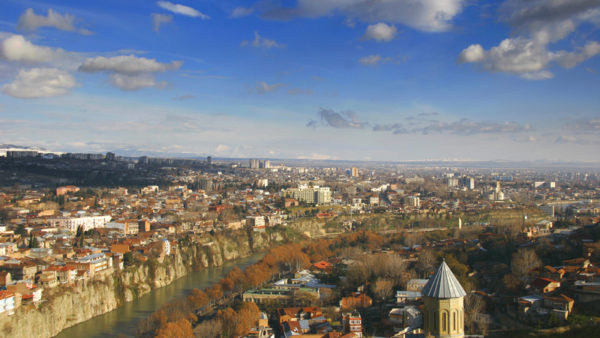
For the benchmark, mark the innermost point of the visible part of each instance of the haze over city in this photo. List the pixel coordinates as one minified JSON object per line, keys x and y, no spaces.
{"x":351,"y":80}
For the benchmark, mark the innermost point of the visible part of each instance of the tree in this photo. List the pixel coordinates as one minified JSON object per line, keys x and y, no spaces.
{"x":383,"y":288}
{"x":20,"y":230}
{"x":198,"y":299}
{"x":178,"y":329}
{"x":474,"y":305}
{"x":214,"y":293}
{"x":426,"y":261}
{"x":128,"y":259}
{"x":523,"y":261}
{"x":33,"y":242}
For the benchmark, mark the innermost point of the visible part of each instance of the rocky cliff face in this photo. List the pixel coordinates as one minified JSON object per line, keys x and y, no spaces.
{"x":66,"y":306}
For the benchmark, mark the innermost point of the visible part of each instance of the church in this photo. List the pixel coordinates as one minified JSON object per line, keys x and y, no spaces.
{"x":444,"y":313}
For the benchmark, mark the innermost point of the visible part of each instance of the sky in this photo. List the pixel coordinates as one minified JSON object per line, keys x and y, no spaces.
{"x":386,"y":80}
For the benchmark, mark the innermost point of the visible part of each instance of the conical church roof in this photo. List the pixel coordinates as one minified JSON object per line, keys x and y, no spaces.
{"x":443,"y":284}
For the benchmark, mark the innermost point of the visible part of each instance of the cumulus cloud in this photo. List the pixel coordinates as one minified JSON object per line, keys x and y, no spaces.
{"x":346,"y":119}
{"x":473,"y":53}
{"x":182,"y":10}
{"x":17,"y":48}
{"x":261,"y":42}
{"x":29,"y":21}
{"x":240,"y":12}
{"x":159,"y":19}
{"x":380,"y":32}
{"x":40,"y":82}
{"x":548,"y":21}
{"x":425,"y":15}
{"x":263,"y":87}
{"x":536,"y":25}
{"x":129,"y":72}
{"x":525,"y":57}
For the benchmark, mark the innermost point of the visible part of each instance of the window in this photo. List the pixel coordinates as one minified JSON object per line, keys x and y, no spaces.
{"x":444,"y":321}
{"x":453,"y":320}
{"x":435,"y":321}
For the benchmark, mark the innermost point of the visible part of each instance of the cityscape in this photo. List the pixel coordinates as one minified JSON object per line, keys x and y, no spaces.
{"x":327,"y":169}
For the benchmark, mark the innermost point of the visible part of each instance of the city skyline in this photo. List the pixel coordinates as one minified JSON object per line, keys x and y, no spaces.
{"x":344,"y":80}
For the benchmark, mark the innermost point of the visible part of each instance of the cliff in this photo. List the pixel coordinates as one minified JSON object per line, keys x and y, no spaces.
{"x":67,"y":306}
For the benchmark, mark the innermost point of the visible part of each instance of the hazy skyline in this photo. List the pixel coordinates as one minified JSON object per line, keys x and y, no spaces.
{"x":348,"y":79}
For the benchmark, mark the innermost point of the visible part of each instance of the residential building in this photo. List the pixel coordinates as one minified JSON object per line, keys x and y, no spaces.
{"x":7,"y":302}
{"x":352,"y":323}
{"x":86,"y":222}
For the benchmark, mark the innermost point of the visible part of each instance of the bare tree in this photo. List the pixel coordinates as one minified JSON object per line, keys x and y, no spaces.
{"x":523,"y":261}
{"x":209,"y":328}
{"x":383,"y":288}
{"x":426,"y":261}
{"x":474,"y":306}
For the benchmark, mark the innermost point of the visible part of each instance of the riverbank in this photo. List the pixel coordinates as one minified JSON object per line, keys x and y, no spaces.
{"x":69,"y":306}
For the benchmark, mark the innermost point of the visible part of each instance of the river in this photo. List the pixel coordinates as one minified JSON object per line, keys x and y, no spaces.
{"x":122,"y":321}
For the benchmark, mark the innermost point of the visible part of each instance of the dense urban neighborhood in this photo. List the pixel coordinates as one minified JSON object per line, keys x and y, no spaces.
{"x":387,"y":250}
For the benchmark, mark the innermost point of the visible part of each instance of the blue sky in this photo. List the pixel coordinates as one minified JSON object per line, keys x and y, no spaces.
{"x":340,"y":79}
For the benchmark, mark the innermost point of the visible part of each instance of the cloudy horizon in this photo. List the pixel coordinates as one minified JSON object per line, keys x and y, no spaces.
{"x":344,"y":80}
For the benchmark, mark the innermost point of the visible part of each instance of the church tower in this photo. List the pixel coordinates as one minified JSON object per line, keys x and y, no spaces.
{"x":444,"y":305}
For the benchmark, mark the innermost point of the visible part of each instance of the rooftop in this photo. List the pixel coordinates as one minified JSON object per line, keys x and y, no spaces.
{"x":443,"y":284}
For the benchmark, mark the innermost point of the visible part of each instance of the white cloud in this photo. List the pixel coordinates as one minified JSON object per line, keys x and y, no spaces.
{"x":127,"y":64}
{"x":551,"y":20}
{"x":29,"y":21}
{"x":260,"y":41}
{"x":525,"y":57}
{"x":182,"y":9}
{"x":426,"y":15}
{"x":370,"y":60}
{"x":536,"y":25}
{"x":129,"y":72}
{"x":473,"y":53}
{"x":380,"y":32}
{"x":159,"y":19}
{"x":17,"y":48}
{"x":40,"y":82}
{"x":239,"y":12}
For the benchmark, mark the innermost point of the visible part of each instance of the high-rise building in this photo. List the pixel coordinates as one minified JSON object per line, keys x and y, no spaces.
{"x":467,"y":182}
{"x":316,"y":195}
{"x":444,"y":314}
{"x":254,"y":164}
{"x":452,"y":182}
{"x":354,"y":172}
{"x":412,"y":201}
{"x":209,"y":160}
